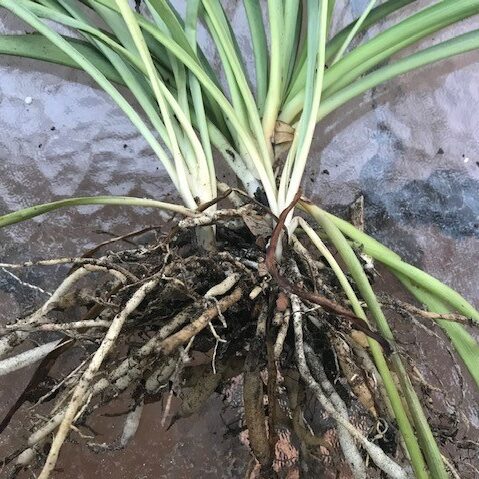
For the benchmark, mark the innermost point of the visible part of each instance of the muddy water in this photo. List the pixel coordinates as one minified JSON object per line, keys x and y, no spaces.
{"x":411,"y":148}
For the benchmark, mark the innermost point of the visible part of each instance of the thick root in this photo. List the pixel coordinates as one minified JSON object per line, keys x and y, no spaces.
{"x":147,"y":311}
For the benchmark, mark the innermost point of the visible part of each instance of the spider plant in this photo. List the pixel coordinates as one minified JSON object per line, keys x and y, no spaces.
{"x":302,"y":74}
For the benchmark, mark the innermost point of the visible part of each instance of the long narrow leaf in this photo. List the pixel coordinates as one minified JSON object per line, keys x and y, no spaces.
{"x":405,"y":427}
{"x":160,"y":93}
{"x":386,"y":256}
{"x":460,"y":44}
{"x":31,"y":212}
{"x":218,"y":20}
{"x":275,"y":90}
{"x":316,"y":68}
{"x":353,"y":32}
{"x":260,"y":49}
{"x":38,"y":47}
{"x":427,"y":440}
{"x":376,"y":15}
{"x":396,"y":38}
{"x":191,"y":21}
{"x":384,"y":45}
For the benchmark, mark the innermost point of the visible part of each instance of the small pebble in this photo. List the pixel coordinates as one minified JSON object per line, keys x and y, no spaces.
{"x":28,"y":100}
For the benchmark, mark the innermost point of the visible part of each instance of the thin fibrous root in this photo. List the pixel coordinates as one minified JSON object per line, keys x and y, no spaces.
{"x":100,"y":262}
{"x":85,"y":323}
{"x":387,"y":465}
{"x":453,"y":317}
{"x":25,"y":283}
{"x":129,"y":370}
{"x":9,"y":341}
{"x":81,"y":389}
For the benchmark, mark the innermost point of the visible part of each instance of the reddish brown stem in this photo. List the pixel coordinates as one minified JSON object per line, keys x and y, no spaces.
{"x":327,"y":304}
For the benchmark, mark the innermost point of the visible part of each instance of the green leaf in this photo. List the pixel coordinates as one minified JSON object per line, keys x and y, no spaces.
{"x":31,"y":212}
{"x":37,"y":47}
{"x":341,"y":75}
{"x":260,"y":49}
{"x":275,"y":80}
{"x":353,"y":32}
{"x":386,"y":256}
{"x":356,"y":269}
{"x":395,"y":38}
{"x":316,"y":56}
{"x":426,"y":438}
{"x":225,"y":40}
{"x":165,"y":101}
{"x":376,"y":15}
{"x":437,"y":296}
{"x":460,"y":44}
{"x":19,"y":8}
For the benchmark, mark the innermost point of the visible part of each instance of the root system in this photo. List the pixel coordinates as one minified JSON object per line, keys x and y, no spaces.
{"x":145,"y":312}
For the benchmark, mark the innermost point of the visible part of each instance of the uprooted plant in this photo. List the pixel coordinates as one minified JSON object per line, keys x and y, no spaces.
{"x":242,"y":275}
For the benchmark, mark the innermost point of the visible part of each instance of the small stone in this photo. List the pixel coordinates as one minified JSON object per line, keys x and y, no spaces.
{"x":440,"y":151}
{"x":28,"y":100}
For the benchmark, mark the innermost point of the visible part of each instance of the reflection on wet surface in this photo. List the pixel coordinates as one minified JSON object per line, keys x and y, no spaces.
{"x":411,"y":148}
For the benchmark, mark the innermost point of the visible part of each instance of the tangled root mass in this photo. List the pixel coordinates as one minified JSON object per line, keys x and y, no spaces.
{"x":145,"y":312}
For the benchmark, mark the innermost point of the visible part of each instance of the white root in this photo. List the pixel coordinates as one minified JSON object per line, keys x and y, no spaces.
{"x":131,"y":425}
{"x":9,"y":341}
{"x":99,"y":262}
{"x":81,"y":389}
{"x":387,"y":465}
{"x":206,"y":219}
{"x":223,"y":287}
{"x":283,"y":331}
{"x":175,"y":378}
{"x":27,"y":358}
{"x":24,"y":283}
{"x":86,"y":323}
{"x":368,"y":365}
{"x":348,"y":446}
{"x":450,"y":467}
{"x":26,"y":457}
{"x":129,"y":370}
{"x":255,"y":292}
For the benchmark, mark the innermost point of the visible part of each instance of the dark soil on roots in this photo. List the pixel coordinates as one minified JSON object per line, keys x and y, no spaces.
{"x":185,"y":343}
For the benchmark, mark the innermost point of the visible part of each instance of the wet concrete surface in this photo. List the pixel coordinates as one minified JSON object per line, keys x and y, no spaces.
{"x":410,"y":147}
